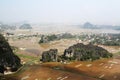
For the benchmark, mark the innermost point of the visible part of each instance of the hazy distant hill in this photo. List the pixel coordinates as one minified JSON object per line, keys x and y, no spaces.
{"x":88,"y":25}
{"x":7,"y":27}
{"x":25,"y":26}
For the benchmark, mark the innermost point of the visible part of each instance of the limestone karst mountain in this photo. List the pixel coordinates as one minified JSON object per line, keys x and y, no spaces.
{"x":8,"y":60}
{"x":25,"y":26}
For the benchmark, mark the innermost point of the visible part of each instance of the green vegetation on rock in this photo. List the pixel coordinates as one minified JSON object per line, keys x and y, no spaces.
{"x":7,"y":58}
{"x":83,"y":52}
{"x":78,"y":52}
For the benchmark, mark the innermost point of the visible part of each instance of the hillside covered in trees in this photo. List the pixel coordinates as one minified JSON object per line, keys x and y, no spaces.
{"x":25,"y":26}
{"x":8,"y":60}
{"x":81,"y":52}
{"x":78,"y":52}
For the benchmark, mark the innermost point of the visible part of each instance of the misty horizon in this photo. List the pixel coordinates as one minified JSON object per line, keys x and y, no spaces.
{"x":105,"y":12}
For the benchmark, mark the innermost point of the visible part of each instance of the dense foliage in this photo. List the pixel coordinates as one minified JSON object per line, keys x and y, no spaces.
{"x":50,"y":55}
{"x":108,"y":39}
{"x":79,"y":52}
{"x":85,"y":52}
{"x":48,"y":38}
{"x":7,"y":57}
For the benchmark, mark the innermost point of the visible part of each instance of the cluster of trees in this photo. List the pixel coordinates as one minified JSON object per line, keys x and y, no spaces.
{"x":101,"y":39}
{"x":79,"y":52}
{"x":7,"y":57}
{"x":109,"y":40}
{"x":48,"y":38}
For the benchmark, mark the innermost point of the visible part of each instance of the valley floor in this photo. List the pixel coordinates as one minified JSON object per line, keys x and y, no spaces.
{"x":104,"y":69}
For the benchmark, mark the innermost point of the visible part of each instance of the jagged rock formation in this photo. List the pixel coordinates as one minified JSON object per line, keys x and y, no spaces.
{"x":8,"y":60}
{"x":85,"y":52}
{"x":79,"y":52}
{"x":50,"y":55}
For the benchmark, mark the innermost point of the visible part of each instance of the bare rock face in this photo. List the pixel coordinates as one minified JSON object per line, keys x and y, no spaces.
{"x":8,"y":60}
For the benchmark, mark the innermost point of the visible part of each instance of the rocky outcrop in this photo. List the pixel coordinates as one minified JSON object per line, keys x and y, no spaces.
{"x":78,"y":52}
{"x":50,"y":55}
{"x":85,"y":52}
{"x":8,"y":60}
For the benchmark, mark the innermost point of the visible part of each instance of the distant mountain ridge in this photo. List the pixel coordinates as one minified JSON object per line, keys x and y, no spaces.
{"x":4,"y":27}
{"x":25,"y":26}
{"x":89,"y":25}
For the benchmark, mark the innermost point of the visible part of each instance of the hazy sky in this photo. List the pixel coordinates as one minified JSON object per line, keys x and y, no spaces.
{"x":61,"y":11}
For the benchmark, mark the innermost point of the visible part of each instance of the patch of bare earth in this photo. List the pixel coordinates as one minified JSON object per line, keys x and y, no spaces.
{"x":108,"y":69}
{"x":37,"y":72}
